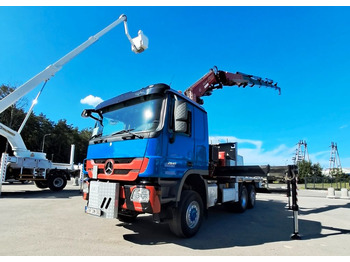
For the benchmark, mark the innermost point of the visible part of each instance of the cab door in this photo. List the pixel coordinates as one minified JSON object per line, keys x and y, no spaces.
{"x":180,"y":146}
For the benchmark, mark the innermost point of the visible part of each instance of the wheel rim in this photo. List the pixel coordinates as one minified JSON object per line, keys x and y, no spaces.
{"x":244,"y":199}
{"x":252,"y":198}
{"x":57,"y":182}
{"x":192,"y":214}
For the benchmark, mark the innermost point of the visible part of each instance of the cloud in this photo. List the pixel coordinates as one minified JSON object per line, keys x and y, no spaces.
{"x":91,"y":100}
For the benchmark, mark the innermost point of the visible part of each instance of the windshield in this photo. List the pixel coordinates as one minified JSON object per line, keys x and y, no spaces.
{"x":136,"y":115}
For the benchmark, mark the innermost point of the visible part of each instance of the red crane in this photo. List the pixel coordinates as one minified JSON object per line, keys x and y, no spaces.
{"x":216,"y":79}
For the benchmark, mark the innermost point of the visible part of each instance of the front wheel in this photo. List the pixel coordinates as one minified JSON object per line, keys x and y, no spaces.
{"x":188,"y":216}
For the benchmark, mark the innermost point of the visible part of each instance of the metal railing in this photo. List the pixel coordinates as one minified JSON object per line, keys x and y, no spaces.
{"x":326,"y":182}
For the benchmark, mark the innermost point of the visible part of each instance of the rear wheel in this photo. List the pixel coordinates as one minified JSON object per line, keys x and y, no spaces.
{"x":188,"y":216}
{"x":57,"y":182}
{"x":242,"y":204}
{"x":251,"y":196}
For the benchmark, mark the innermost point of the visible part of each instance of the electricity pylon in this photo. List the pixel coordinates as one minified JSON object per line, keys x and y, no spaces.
{"x":334,"y":160}
{"x":301,"y":153}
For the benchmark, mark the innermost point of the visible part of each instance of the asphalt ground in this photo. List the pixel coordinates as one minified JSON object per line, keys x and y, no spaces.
{"x":36,"y":222}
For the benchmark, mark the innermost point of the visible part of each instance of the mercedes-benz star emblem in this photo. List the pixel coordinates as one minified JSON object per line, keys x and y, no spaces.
{"x":109,"y":167}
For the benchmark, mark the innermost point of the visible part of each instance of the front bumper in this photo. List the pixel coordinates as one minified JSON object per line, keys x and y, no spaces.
{"x":106,"y":199}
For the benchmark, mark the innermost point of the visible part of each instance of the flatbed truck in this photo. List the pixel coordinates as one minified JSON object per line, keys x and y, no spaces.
{"x":149,"y":153}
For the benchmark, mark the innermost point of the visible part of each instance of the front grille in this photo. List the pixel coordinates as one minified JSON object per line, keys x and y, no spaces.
{"x":116,"y":160}
{"x":123,"y":168}
{"x":116,"y":171}
{"x":121,"y":171}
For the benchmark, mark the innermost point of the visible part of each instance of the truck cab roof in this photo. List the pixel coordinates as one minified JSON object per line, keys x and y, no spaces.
{"x":151,"y":89}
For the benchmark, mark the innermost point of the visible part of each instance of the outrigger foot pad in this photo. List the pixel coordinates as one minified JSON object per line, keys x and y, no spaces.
{"x":295,"y":236}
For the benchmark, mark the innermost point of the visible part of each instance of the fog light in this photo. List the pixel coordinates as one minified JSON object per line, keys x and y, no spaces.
{"x":140,"y":195}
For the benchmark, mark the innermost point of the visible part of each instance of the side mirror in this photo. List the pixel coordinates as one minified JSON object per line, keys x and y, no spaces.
{"x":86,"y":113}
{"x":180,"y":116}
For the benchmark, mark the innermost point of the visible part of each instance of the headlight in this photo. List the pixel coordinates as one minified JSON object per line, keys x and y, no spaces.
{"x":140,"y":195}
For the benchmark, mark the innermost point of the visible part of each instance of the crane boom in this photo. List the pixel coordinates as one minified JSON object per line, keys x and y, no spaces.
{"x":216,"y":79}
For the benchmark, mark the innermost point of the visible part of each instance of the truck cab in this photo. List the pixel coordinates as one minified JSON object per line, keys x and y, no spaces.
{"x":155,"y":126}
{"x":146,"y":141}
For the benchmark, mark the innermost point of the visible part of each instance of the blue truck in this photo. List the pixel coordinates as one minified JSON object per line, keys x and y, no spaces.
{"x":150,"y":153}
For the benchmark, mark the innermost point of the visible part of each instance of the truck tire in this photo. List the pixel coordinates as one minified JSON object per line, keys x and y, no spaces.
{"x":242,"y":203}
{"x":251,"y":196}
{"x":57,"y":182}
{"x":188,"y":215}
{"x":41,"y":184}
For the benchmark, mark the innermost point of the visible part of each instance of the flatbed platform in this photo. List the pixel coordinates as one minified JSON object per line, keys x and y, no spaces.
{"x":247,"y":171}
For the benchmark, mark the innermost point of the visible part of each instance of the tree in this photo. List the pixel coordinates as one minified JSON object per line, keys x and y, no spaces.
{"x":81,"y":141}
{"x":5,"y":90}
{"x":34,"y":131}
{"x":316,"y":170}
{"x":338,"y":173}
{"x":304,"y":168}
{"x":307,"y":169}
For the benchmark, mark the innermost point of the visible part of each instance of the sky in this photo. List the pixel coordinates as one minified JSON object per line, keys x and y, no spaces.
{"x":304,"y":49}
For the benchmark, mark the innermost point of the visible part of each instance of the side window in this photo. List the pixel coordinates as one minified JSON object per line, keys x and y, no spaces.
{"x":181,"y":117}
{"x":171,"y":112}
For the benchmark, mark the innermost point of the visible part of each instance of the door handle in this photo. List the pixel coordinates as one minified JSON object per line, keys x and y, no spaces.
{"x":189,"y":163}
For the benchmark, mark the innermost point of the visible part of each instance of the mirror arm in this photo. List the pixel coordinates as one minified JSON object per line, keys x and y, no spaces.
{"x":87,"y":113}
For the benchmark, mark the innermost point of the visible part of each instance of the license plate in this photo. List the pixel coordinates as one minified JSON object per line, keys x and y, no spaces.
{"x":93,"y":211}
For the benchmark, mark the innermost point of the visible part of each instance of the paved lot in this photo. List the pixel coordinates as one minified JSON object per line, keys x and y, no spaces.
{"x":40,"y":222}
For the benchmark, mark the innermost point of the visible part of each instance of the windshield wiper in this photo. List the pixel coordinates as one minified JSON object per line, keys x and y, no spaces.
{"x":123,"y":131}
{"x":127,"y":131}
